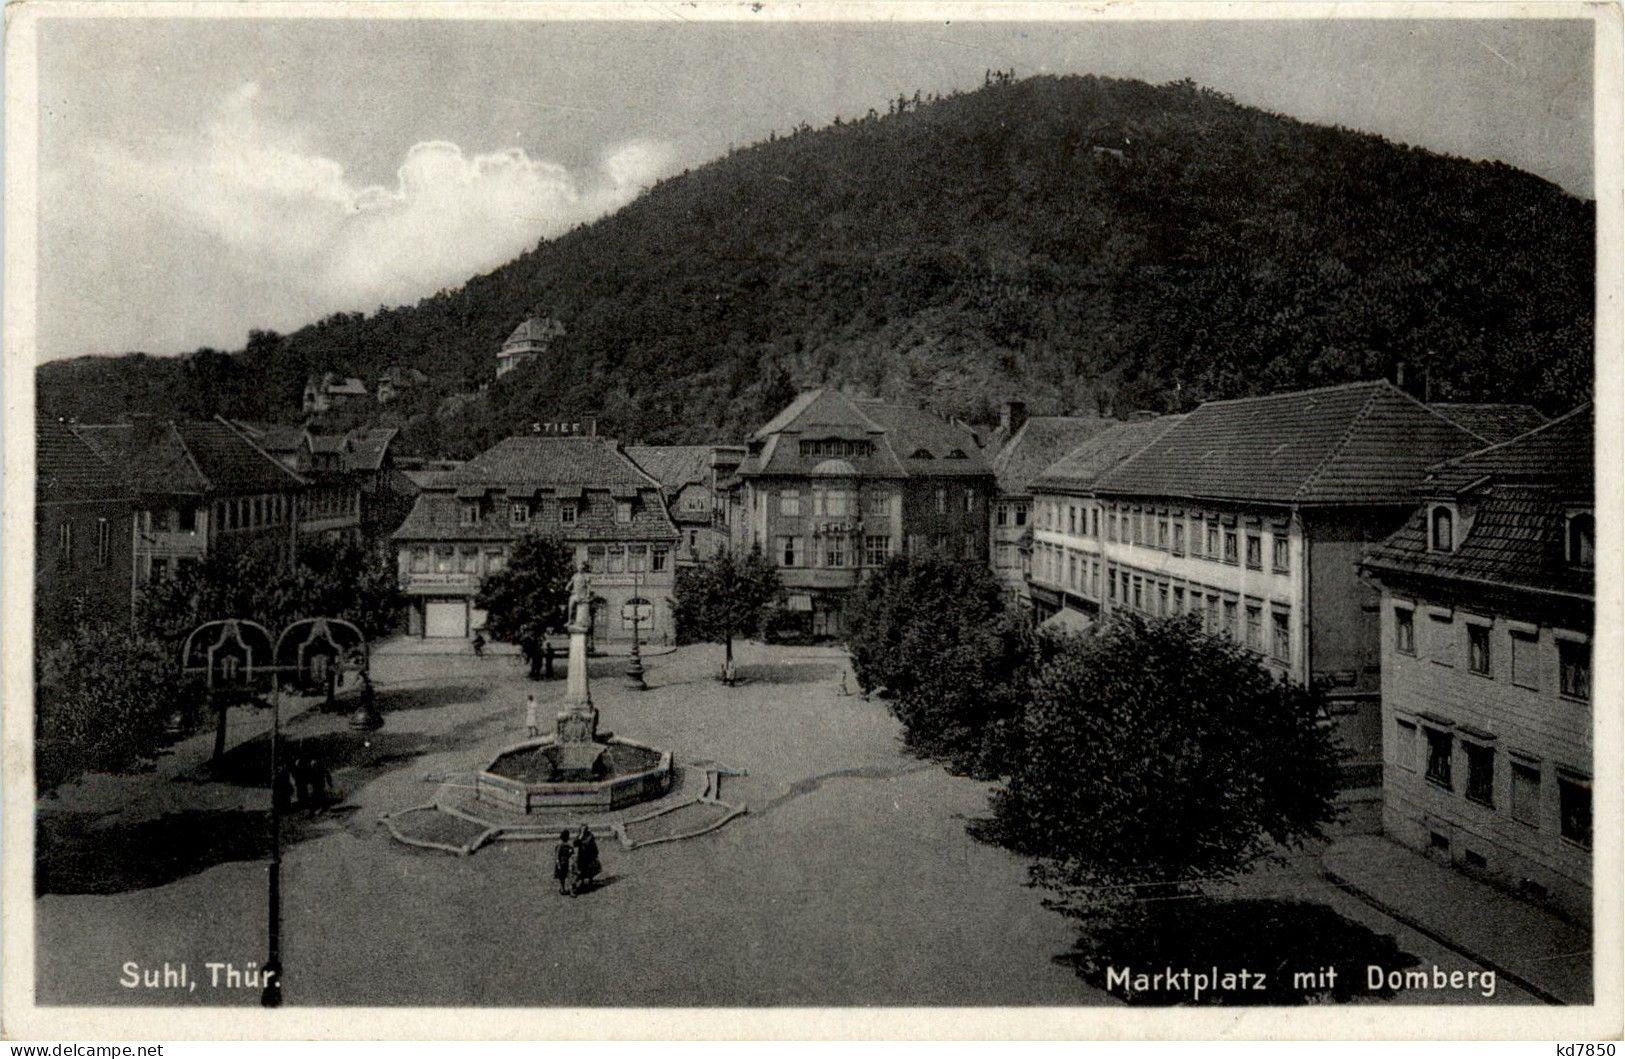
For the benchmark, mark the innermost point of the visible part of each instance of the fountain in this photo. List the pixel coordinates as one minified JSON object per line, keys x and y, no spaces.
{"x":575,"y":768}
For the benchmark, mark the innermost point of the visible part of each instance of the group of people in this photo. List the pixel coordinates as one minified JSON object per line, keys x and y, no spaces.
{"x":575,"y":861}
{"x":304,"y":783}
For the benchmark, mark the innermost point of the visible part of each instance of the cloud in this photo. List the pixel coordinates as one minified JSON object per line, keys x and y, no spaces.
{"x":267,"y":205}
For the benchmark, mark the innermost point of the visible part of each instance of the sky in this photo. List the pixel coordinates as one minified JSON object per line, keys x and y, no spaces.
{"x":199,"y":178}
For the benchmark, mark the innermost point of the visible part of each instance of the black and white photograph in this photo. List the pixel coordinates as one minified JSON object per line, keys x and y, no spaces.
{"x":1088,"y":516}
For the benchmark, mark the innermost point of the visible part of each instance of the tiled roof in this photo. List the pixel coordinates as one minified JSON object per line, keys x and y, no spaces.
{"x":673,"y":466}
{"x":1080,"y":468}
{"x":437,"y":516}
{"x":908,"y":440}
{"x":368,"y":446}
{"x":1040,"y":442}
{"x":538,"y":330}
{"x":66,"y":468}
{"x":190,"y":458}
{"x":1513,"y":499}
{"x":1555,"y":453}
{"x":550,"y":461}
{"x":1492,"y":422}
{"x":1360,"y":443}
{"x":1515,"y":539}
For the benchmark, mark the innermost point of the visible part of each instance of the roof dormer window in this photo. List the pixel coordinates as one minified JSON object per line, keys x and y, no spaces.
{"x":1580,"y":539}
{"x":921,"y":454}
{"x":957,"y":454}
{"x":1442,"y":528}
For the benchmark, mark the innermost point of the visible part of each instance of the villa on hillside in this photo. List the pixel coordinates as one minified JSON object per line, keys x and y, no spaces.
{"x":528,"y":341}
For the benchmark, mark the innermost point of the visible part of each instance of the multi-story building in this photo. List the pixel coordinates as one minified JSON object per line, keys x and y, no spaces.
{"x":329,"y":391}
{"x":348,"y":494}
{"x":690,"y":475}
{"x":529,"y":340}
{"x":1254,"y":513}
{"x":1066,"y":560}
{"x":200,"y":488}
{"x":1022,"y":448}
{"x":835,"y":485}
{"x":1487,"y":615}
{"x":84,"y":535}
{"x":584,"y":490}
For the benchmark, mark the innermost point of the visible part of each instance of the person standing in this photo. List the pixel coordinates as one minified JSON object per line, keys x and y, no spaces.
{"x":533,"y":721}
{"x":562,"y":857}
{"x":479,"y":645}
{"x":587,"y":866}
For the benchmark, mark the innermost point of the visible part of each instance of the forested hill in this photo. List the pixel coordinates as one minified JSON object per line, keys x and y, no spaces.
{"x":1079,"y":242}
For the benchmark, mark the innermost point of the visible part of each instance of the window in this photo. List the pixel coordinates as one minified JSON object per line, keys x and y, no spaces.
{"x":942,"y":501}
{"x":444,"y":560}
{"x":1581,"y":539}
{"x":1072,"y":569}
{"x":1280,"y":554}
{"x":64,"y":541}
{"x":469,"y":561}
{"x":104,"y":541}
{"x":1439,"y":748}
{"x":1139,"y":601}
{"x":1162,"y":532}
{"x":1255,"y":552}
{"x":1094,"y":579}
{"x":637,"y":558}
{"x":790,"y":502}
{"x":615,"y":559}
{"x":623,"y":511}
{"x":1230,"y":628}
{"x":1404,"y":630}
{"x":1021,"y":514}
{"x":1001,"y":515}
{"x":1478,"y":649}
{"x":1405,"y":745}
{"x":1442,"y":537}
{"x":1179,"y":537}
{"x":657,"y":559}
{"x":1441,"y":640}
{"x":1574,"y":810}
{"x":420,"y":560}
{"x":495,"y":560}
{"x":1111,"y":586}
{"x":519,"y":513}
{"x":1526,"y":793}
{"x":188,"y":519}
{"x":1111,"y":525}
{"x":834,"y":551}
{"x":1230,"y":544}
{"x":471,"y":513}
{"x":1525,"y":660}
{"x":1179,"y":600}
{"x":1162,"y":600}
{"x":1072,"y":519}
{"x":876,"y":550}
{"x":567,"y":512}
{"x":160,"y":570}
{"x":880,"y":504}
{"x":1574,"y":668}
{"x":1480,"y":773}
{"x":1255,"y":627}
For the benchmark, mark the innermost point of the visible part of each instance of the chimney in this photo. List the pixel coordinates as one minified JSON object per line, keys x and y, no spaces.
{"x":1012,"y":417}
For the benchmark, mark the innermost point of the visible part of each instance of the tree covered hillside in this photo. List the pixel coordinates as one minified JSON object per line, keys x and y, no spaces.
{"x":1080,"y":242}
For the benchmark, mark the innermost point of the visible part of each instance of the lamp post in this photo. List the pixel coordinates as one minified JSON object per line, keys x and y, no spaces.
{"x":243,"y":648}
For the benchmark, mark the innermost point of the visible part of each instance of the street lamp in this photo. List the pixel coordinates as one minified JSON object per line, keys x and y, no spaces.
{"x":237,"y":651}
{"x":634,"y":669}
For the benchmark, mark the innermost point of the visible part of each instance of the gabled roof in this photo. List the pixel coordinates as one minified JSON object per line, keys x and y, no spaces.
{"x":66,"y":468}
{"x":536,"y":331}
{"x":907,"y":440}
{"x":1079,"y":469}
{"x":673,"y":466}
{"x":1359,"y":443}
{"x":1492,"y":422}
{"x":1558,"y":453}
{"x":542,"y":462}
{"x":367,"y":446}
{"x":1040,"y":442}
{"x":188,"y":458}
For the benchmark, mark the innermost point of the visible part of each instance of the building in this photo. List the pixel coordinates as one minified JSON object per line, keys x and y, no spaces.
{"x":1254,"y":513}
{"x":691,"y":477}
{"x":1022,"y":448}
{"x":529,"y":340}
{"x":1487,"y":617}
{"x":84,"y":535}
{"x":396,"y":381}
{"x":348,"y":494}
{"x":1065,"y":557}
{"x":835,"y":485}
{"x":585,"y":490}
{"x":329,"y":391}
{"x":199,"y":488}
{"x":1494,"y":423}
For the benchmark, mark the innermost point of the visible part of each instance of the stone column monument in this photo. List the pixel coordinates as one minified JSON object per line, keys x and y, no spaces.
{"x":578,"y":721}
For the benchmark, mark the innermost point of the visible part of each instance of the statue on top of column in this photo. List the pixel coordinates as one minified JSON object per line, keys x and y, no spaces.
{"x":581,"y":598}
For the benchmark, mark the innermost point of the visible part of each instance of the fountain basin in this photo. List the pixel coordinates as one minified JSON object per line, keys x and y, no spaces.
{"x":545,"y":774}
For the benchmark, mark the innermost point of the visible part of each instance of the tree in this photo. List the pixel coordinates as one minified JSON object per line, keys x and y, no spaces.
{"x":724,"y":597}
{"x":1156,"y":755}
{"x":102,"y":702}
{"x":526,"y":600}
{"x":936,"y":635}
